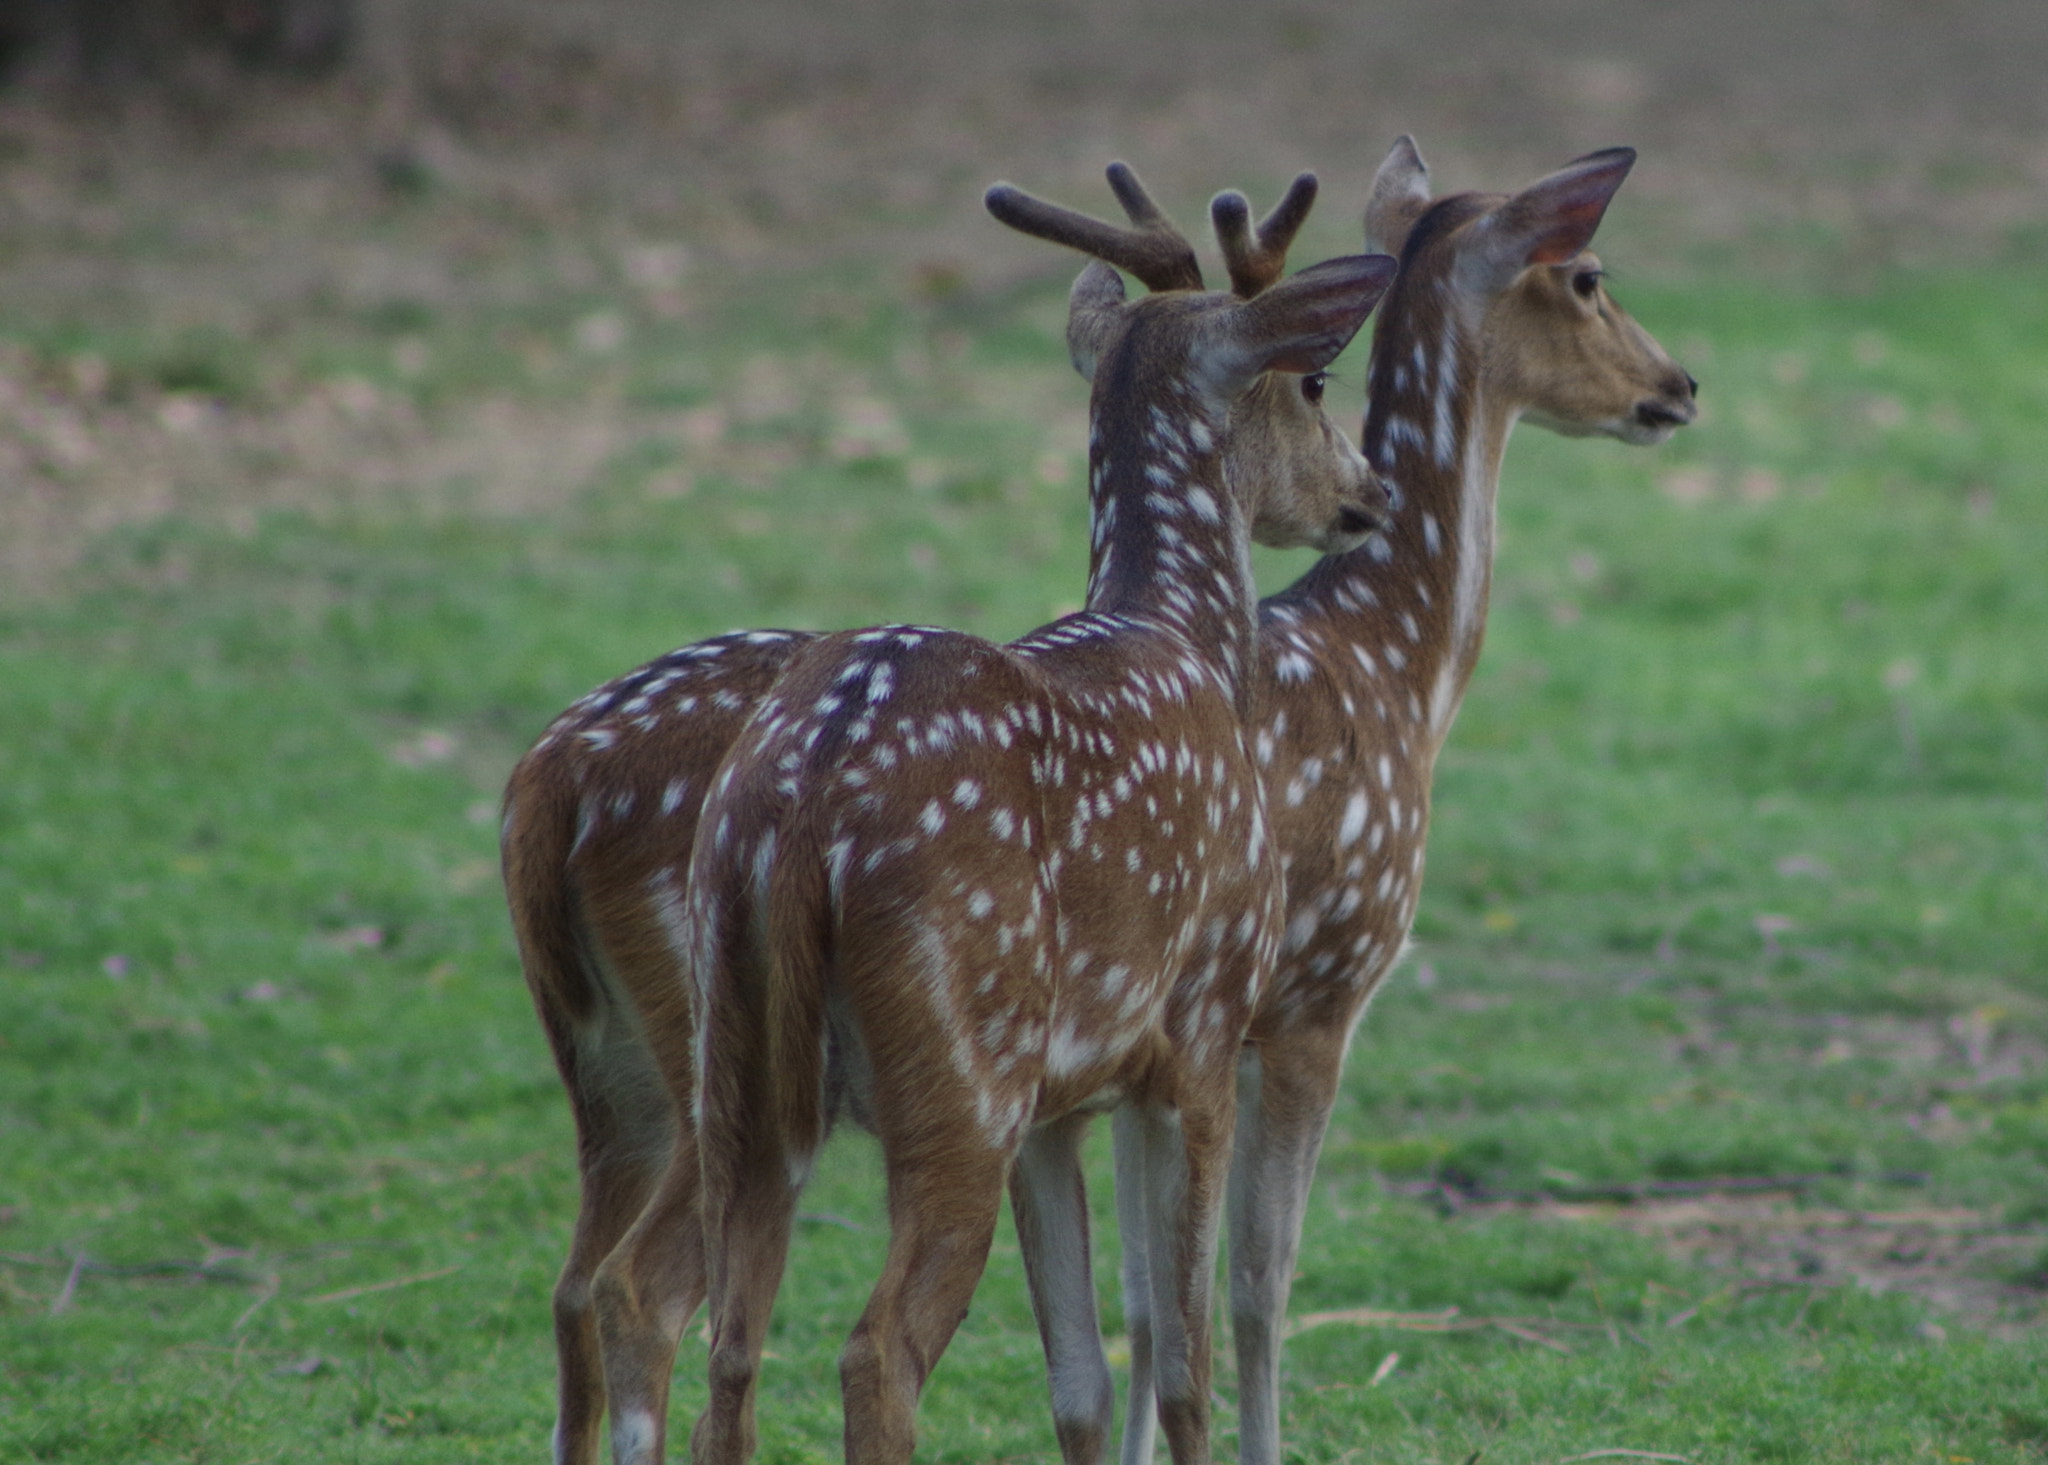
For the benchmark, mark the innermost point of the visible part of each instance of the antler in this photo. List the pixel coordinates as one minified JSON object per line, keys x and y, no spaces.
{"x":1152,"y":248}
{"x":1257,"y":261}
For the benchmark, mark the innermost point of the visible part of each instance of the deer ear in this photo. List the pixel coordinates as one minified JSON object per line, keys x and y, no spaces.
{"x":1094,"y":315}
{"x":1400,"y":192}
{"x":1553,"y":219}
{"x":1302,"y":323}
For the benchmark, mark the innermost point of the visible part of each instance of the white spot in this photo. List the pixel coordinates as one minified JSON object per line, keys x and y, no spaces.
{"x":1069,"y":1053}
{"x":1353,"y":823}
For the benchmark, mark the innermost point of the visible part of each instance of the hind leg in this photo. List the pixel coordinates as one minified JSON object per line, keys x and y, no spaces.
{"x":624,"y":1132}
{"x":645,"y":1293}
{"x":613,"y":1193}
{"x":749,"y":1213}
{"x":943,"y":1205}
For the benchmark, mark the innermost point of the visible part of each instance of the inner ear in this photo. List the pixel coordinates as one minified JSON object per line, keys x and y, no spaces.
{"x":1564,"y":240}
{"x":1553,"y":220}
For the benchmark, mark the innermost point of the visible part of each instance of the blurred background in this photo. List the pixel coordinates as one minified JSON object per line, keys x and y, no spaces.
{"x":186,"y":172}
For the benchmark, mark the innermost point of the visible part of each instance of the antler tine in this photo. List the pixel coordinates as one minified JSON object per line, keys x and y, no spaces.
{"x":1256,"y":259}
{"x":1152,"y":248}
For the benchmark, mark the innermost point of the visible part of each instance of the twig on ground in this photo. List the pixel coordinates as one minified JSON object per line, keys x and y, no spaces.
{"x":1799,"y":1317}
{"x":270,"y":1286}
{"x":1448,"y":1320}
{"x":1528,"y":1335}
{"x":347,"y":1292}
{"x":1387,"y":1366}
{"x":205,"y":1270}
{"x":68,"y":1293}
{"x":1445,"y":1321}
{"x":1631,"y":1454}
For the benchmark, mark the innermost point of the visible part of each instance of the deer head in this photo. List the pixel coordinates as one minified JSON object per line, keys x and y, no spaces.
{"x":1565,"y":356}
{"x":1300,"y":479}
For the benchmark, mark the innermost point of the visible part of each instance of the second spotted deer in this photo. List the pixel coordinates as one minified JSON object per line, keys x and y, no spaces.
{"x":1499,"y":314}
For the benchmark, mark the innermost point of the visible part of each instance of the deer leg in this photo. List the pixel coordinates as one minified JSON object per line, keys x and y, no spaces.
{"x":1187,"y":1155}
{"x":1140,"y":1411}
{"x":624,"y":1131}
{"x":746,"y":1240}
{"x":613,"y":1193}
{"x":1050,"y":1199}
{"x":645,"y":1292}
{"x":1283,"y":1110}
{"x":942,"y":1214}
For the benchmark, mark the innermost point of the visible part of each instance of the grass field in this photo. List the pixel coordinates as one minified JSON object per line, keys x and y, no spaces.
{"x":1740,"y":873}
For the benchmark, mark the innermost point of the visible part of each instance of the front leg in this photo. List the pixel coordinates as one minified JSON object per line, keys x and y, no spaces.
{"x":1050,"y":1198}
{"x":1285,"y":1094}
{"x":1140,"y":1417}
{"x":1186,"y":1157}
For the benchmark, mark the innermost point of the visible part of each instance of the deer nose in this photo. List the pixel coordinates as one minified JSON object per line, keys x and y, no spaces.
{"x":1657,"y":413}
{"x":1356,"y":519}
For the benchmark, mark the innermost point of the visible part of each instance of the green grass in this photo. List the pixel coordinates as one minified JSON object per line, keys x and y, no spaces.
{"x":1740,"y":867}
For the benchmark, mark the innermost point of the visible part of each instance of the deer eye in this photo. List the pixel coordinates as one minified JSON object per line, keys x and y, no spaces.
{"x":1312,"y":387}
{"x":1586,"y":284}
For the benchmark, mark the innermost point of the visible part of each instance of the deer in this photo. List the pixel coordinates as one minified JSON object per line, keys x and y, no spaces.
{"x":1499,"y":313}
{"x":606,"y":808}
{"x":965,"y":894}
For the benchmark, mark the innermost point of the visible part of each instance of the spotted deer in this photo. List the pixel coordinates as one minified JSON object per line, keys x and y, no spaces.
{"x":1498,"y":314}
{"x":603,"y":813}
{"x":965,"y":893}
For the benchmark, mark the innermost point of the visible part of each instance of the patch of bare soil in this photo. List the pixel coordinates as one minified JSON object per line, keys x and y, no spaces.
{"x":1969,"y":1265}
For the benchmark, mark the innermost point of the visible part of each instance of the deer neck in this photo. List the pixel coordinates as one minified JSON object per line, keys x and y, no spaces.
{"x":1168,"y":543}
{"x":1410,"y":605}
